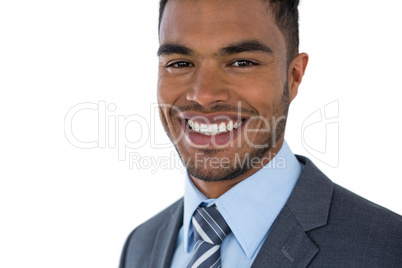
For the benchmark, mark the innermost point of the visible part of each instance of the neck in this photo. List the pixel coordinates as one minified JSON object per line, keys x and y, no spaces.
{"x":214,"y":189}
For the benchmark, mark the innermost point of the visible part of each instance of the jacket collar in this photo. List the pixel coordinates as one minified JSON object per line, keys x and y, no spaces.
{"x":307,"y":208}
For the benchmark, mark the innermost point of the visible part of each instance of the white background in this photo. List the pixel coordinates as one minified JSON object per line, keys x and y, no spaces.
{"x":62,"y":206}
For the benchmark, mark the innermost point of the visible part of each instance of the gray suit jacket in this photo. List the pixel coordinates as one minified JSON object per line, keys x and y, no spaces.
{"x":321,"y":225}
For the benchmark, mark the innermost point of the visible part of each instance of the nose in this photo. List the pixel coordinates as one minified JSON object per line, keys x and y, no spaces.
{"x":208,"y":87}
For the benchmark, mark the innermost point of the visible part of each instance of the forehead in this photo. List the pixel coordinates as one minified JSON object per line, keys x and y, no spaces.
{"x":212,"y":23}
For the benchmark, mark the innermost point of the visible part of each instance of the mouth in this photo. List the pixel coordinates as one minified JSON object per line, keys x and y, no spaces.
{"x":213,"y":129}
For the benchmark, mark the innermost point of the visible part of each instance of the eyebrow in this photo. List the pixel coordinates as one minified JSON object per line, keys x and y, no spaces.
{"x":245,"y":46}
{"x":235,"y":48}
{"x":169,"y":49}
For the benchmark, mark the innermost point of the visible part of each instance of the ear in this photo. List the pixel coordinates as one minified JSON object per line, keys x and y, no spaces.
{"x":296,"y":72}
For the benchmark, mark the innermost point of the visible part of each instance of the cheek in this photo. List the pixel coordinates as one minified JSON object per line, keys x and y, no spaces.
{"x":167,"y":95}
{"x":161,"y":90}
{"x":169,"y":90}
{"x":162,"y":116}
{"x":261,"y":95}
{"x":164,"y":103}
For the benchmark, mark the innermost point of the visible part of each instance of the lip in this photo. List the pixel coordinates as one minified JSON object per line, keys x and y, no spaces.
{"x":213,"y":118}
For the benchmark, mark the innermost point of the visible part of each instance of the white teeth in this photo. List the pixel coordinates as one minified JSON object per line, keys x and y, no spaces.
{"x":191,"y":123}
{"x":230,"y":126}
{"x":196,"y":126}
{"x":213,"y":129}
{"x":204,"y":128}
{"x":222,"y":127}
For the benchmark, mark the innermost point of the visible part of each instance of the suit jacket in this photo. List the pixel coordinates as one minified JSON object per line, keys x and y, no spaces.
{"x":321,"y":225}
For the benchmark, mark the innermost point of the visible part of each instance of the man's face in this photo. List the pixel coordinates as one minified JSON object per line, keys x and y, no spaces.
{"x":222,"y":85}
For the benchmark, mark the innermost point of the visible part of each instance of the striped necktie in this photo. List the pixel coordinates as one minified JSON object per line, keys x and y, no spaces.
{"x":210,"y":229}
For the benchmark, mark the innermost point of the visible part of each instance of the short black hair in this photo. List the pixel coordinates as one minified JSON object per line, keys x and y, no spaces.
{"x":286,"y":16}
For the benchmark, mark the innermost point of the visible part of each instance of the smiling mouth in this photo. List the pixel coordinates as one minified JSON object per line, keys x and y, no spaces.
{"x":213,"y":129}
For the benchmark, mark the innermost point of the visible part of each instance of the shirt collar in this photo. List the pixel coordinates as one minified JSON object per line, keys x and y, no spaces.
{"x":249,"y":216}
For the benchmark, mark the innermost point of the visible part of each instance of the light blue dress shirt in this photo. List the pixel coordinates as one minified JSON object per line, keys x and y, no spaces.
{"x":249,"y":208}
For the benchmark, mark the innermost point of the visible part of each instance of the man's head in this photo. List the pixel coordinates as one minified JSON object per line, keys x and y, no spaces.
{"x":225,"y":83}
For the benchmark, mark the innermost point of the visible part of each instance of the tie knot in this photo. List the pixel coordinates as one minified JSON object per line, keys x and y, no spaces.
{"x":209,"y":225}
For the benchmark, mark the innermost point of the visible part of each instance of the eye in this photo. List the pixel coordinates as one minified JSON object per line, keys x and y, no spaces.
{"x":180,"y":64}
{"x":243,"y":63}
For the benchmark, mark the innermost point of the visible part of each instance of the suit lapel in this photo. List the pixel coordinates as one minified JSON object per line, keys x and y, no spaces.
{"x":165,"y":242}
{"x":287,"y":244}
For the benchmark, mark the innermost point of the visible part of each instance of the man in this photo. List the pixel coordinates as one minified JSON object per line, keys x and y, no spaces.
{"x":228,"y":71}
